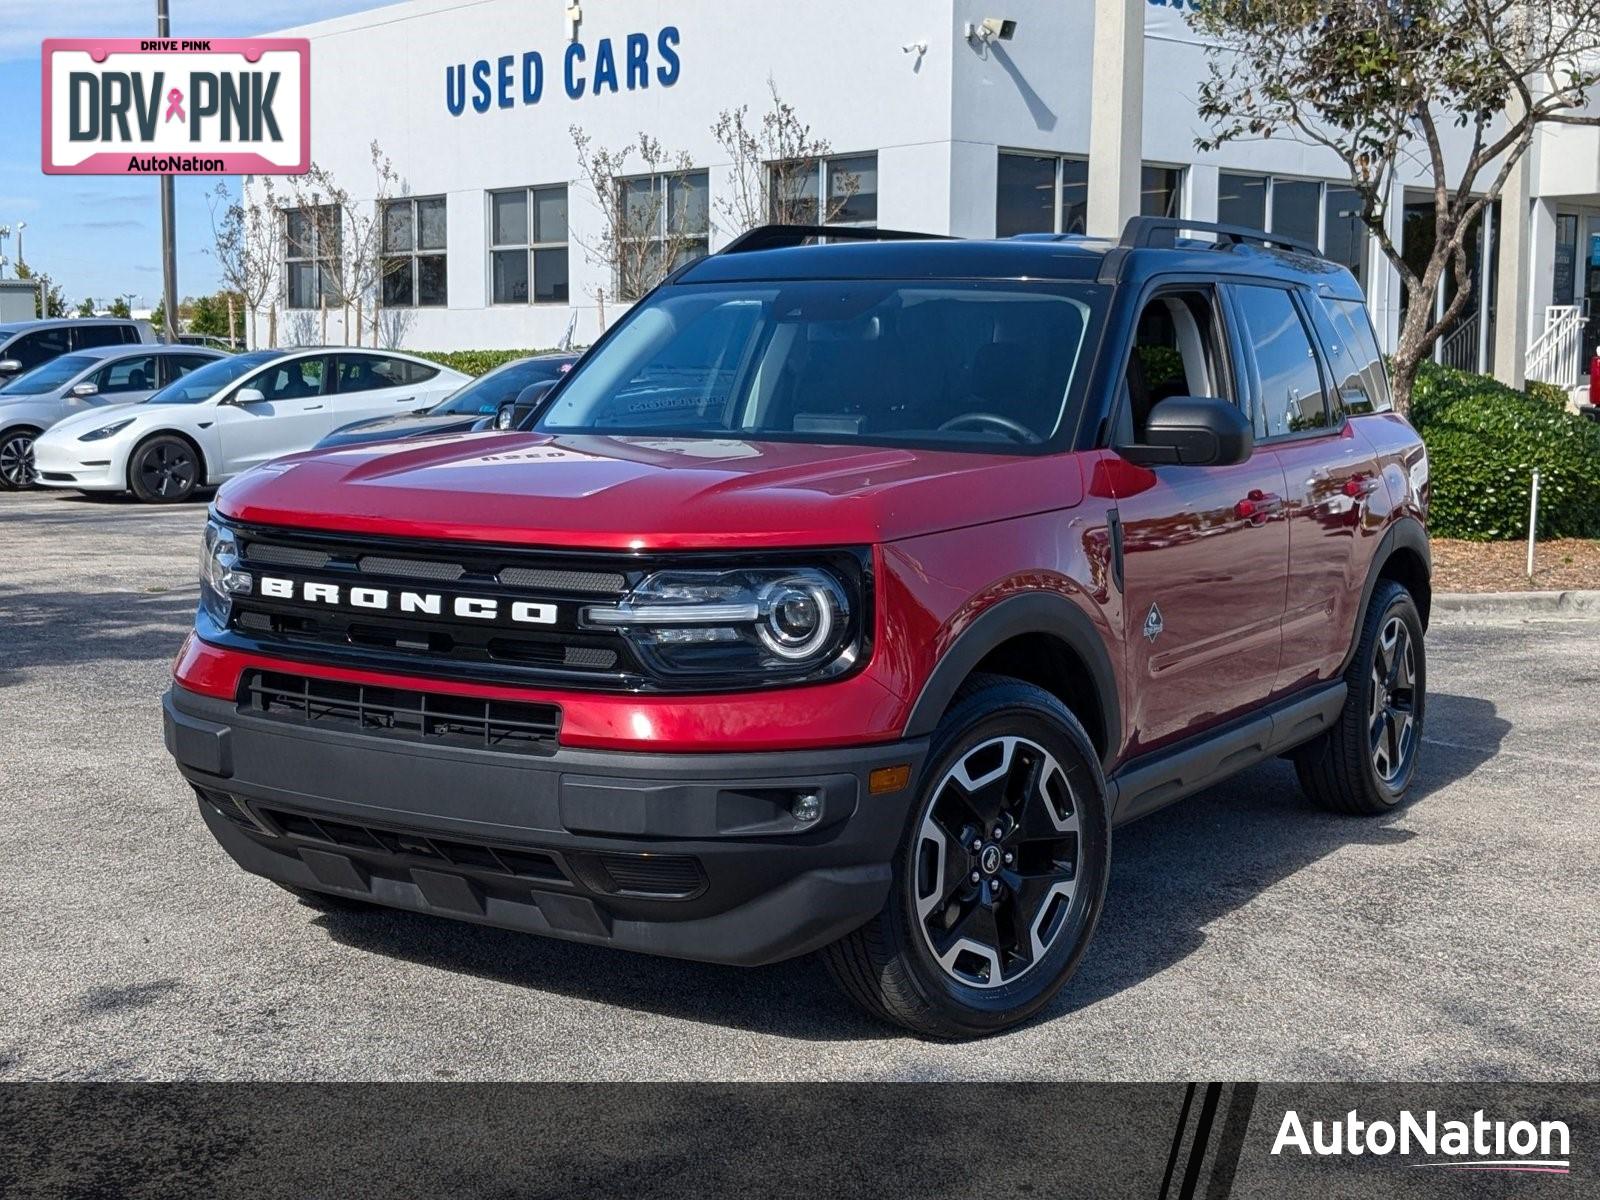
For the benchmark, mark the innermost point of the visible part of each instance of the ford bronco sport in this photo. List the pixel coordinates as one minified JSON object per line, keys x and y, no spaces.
{"x":843,"y":598}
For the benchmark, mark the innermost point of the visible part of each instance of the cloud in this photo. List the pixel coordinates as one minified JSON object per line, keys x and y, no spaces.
{"x":124,"y":224}
{"x":29,"y":22}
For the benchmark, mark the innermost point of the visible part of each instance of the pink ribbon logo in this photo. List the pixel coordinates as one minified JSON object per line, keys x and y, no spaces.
{"x":175,"y":105}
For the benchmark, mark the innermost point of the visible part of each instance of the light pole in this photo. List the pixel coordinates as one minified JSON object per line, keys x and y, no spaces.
{"x":21,"y":262}
{"x":169,"y":253}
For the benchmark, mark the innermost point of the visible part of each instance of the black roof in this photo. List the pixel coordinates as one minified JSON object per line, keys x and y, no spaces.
{"x":1148,"y":247}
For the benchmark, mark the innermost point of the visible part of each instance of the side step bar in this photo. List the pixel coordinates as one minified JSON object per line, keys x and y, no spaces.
{"x":1153,"y":781}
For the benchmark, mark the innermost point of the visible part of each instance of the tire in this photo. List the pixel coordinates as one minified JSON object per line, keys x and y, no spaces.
{"x":164,"y":470}
{"x":1365,"y":764}
{"x":326,"y":901}
{"x":16,"y":459}
{"x":1040,"y":888}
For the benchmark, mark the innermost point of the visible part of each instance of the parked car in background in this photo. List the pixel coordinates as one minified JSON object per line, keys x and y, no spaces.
{"x":95,"y":378}
{"x":463,"y":410}
{"x":212,"y":340}
{"x":25,"y":345}
{"x":233,"y":414}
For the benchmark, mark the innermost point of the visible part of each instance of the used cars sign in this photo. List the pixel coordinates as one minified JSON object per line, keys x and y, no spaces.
{"x":169,"y":106}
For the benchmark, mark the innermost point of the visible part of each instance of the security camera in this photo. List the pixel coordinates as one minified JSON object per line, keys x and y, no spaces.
{"x":998,"y":28}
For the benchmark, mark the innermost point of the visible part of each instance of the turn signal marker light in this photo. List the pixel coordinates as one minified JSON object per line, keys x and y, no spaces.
{"x":888,"y":779}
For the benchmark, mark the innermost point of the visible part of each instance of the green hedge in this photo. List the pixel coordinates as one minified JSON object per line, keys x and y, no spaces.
{"x":1484,"y":440}
{"x":475,"y":362}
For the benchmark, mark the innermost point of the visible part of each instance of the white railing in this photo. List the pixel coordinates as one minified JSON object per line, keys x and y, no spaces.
{"x":1556,"y":355}
{"x":1459,"y":347}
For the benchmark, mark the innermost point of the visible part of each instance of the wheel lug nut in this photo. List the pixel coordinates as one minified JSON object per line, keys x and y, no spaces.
{"x":975,"y":877}
{"x":998,"y":833}
{"x":1010,"y":857}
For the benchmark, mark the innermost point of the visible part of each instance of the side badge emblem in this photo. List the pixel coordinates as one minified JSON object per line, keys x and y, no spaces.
{"x":1153,"y":624}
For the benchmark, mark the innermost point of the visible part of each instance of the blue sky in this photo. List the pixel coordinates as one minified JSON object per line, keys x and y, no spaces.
{"x":101,"y":236}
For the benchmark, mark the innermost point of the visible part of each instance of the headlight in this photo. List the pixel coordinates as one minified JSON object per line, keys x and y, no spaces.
{"x":503,"y":418}
{"x":105,"y":431}
{"x":220,"y":578}
{"x":784,"y":620}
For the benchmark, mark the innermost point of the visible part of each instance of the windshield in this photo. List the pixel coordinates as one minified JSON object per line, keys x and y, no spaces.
{"x":485,"y":395}
{"x":49,"y":376}
{"x":990,"y":366}
{"x":212,"y":378}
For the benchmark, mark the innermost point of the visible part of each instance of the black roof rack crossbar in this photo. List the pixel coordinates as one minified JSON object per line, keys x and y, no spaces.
{"x":773,"y":237}
{"x":1162,"y":232}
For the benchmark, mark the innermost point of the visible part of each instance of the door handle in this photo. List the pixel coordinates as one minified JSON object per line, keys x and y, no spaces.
{"x":1258,"y":506}
{"x":1359,"y":487}
{"x":311,"y":408}
{"x":404,"y":399}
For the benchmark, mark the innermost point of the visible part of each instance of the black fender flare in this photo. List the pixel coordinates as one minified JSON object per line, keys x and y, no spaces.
{"x":1034,"y":612}
{"x":1406,"y":533}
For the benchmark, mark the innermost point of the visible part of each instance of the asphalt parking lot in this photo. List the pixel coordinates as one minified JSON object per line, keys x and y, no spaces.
{"x":1247,"y":935}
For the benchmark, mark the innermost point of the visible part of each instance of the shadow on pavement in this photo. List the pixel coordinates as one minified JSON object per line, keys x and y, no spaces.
{"x":1173,"y":874}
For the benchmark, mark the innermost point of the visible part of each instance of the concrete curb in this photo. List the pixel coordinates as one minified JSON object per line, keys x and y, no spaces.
{"x":1517,"y":604}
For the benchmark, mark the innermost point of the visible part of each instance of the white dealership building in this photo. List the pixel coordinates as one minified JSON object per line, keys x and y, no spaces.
{"x":933,"y":126}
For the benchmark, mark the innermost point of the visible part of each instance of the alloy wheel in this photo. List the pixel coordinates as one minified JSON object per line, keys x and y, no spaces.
{"x":996,"y":862}
{"x":16,"y":460}
{"x":1392,"y":711}
{"x":167,"y":469}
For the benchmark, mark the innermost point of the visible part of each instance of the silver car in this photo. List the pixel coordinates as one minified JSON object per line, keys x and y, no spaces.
{"x":76,"y":383}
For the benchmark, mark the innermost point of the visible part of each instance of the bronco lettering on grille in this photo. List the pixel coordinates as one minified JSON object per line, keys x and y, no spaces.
{"x":476,"y":608}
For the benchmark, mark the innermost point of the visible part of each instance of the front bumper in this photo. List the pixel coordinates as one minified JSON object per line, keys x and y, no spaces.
{"x":91,"y":467}
{"x":688,"y":855}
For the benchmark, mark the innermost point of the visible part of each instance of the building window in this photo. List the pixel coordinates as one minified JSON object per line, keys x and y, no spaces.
{"x":666,"y":221}
{"x":311,"y":249}
{"x":414,"y":253}
{"x":1242,"y":200}
{"x":850,"y":182}
{"x":1041,"y":193}
{"x":1325,"y":214}
{"x":1161,"y":191}
{"x":528,"y":245}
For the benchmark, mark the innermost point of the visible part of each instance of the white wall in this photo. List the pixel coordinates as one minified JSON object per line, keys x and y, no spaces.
{"x":935,"y":119}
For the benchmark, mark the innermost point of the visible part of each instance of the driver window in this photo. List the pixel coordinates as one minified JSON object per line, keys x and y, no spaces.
{"x":299,"y":378}
{"x":1175,"y":353}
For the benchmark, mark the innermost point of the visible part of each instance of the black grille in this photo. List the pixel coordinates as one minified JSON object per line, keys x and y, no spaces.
{"x":653,"y":874}
{"x":566,"y":652}
{"x":520,"y":862}
{"x":504,"y":725}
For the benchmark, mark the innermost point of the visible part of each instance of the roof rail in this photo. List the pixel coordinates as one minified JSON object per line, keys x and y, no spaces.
{"x":772,"y":237}
{"x":1162,"y":232}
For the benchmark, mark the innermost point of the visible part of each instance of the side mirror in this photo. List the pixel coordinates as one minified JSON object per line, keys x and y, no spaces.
{"x":513,"y":413}
{"x":249,"y":396}
{"x":9,"y":366}
{"x":86,"y":389}
{"x":1193,"y":431}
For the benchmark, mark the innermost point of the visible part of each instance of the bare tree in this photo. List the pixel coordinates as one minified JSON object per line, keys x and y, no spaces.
{"x":248,"y":240}
{"x":651,"y":219}
{"x":349,"y":232}
{"x":776,"y":169}
{"x":1381,"y":84}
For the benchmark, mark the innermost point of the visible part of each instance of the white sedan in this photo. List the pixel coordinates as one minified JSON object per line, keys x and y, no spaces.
{"x":231,"y":415}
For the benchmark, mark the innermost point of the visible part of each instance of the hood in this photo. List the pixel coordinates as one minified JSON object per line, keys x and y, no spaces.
{"x":94,"y":418}
{"x":377,"y":429}
{"x":646,"y":493}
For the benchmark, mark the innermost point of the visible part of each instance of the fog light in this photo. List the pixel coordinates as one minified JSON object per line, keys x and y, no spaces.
{"x":806,"y":808}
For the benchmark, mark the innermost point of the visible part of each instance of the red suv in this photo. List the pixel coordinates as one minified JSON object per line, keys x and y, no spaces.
{"x":843,"y":598}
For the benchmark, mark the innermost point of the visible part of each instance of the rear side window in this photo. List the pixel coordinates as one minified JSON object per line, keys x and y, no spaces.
{"x":368,"y":372}
{"x":179,"y":365}
{"x":1353,"y":356}
{"x":1289,"y":395}
{"x":100,"y":335}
